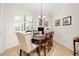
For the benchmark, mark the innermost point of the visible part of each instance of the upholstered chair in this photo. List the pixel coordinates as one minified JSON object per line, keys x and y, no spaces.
{"x":25,"y":42}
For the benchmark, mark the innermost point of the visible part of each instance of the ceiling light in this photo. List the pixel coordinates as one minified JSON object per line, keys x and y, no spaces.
{"x":41,"y":17}
{"x":44,"y":16}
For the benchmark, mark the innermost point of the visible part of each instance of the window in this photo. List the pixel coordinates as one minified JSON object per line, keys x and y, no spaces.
{"x":19,"y":23}
{"x":23,"y":23}
{"x":29,"y":23}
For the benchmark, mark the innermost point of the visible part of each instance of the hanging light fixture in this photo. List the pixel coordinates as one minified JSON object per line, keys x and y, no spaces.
{"x":41,"y":17}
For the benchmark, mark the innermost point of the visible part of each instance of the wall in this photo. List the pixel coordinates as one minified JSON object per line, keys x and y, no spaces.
{"x":65,"y":34}
{"x":2,"y":29}
{"x":7,"y":13}
{"x":11,"y":39}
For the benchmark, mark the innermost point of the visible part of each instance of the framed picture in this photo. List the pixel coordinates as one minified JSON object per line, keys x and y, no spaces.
{"x":57,"y":22}
{"x":40,"y":22}
{"x":67,"y":21}
{"x":46,"y":23}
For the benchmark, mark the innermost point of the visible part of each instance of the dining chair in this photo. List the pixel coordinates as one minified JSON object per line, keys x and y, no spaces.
{"x":76,"y":46}
{"x":25,"y":43}
{"x":45,"y":44}
{"x":35,"y":31}
{"x":51,"y":39}
{"x":48,"y":43}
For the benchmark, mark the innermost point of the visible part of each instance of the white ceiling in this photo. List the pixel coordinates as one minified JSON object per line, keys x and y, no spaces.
{"x":47,"y":8}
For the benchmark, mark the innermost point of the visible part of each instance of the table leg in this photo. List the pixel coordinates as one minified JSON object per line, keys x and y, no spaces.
{"x":38,"y":51}
{"x":20,"y":52}
{"x":74,"y":47}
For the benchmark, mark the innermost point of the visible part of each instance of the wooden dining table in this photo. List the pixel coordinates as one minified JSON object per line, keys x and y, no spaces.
{"x":39,"y":39}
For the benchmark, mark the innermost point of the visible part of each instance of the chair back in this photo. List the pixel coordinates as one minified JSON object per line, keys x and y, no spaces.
{"x":25,"y":40}
{"x":47,"y":36}
{"x":35,"y":32}
{"x":51,"y":34}
{"x":28,"y":37}
{"x":21,"y":39}
{"x":29,"y":31}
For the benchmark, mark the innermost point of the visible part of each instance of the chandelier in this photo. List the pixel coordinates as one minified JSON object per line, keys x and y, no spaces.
{"x":41,"y":17}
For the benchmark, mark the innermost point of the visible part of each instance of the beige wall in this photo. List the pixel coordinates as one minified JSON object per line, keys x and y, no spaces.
{"x":2,"y":29}
{"x":65,"y":34}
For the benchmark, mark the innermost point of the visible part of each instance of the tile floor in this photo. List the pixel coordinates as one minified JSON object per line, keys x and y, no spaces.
{"x":57,"y":50}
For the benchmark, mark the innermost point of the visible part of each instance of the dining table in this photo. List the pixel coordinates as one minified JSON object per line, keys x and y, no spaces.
{"x":39,"y":39}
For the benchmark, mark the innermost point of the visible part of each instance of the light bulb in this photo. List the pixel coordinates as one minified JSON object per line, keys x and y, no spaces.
{"x":39,"y":16}
{"x":44,"y":16}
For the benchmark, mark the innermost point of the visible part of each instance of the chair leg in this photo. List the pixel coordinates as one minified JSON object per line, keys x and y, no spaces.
{"x":45,"y":50}
{"x":51,"y":43}
{"x":74,"y":48}
{"x":48,"y":47}
{"x":38,"y":50}
{"x":20,"y":52}
{"x":28,"y":54}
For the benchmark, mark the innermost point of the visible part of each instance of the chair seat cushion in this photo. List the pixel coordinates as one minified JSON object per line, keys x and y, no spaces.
{"x":34,"y":46}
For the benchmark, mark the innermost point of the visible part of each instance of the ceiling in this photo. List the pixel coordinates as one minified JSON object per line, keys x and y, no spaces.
{"x":47,"y":8}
